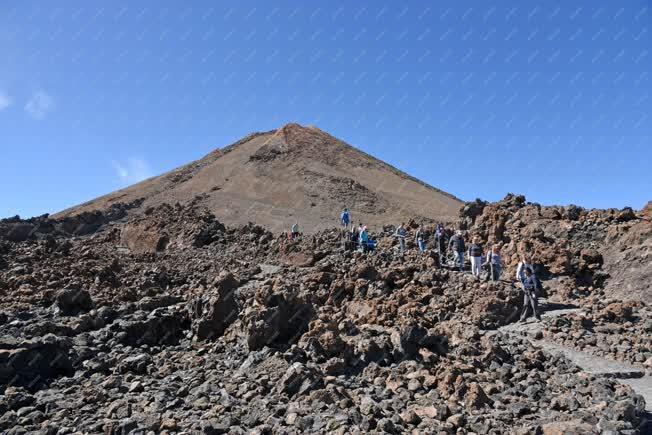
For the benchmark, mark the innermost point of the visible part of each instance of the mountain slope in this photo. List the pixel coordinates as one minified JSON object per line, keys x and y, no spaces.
{"x":293,"y":173}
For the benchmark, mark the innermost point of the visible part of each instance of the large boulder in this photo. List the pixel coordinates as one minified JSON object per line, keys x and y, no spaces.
{"x":20,"y":232}
{"x":408,"y":339}
{"x":212,"y":314}
{"x":137,"y":364}
{"x":277,"y":319}
{"x":365,"y":271}
{"x":71,"y":302}
{"x":158,"y":328}
{"x":299,"y":379}
{"x":32,"y":363}
{"x":144,"y":237}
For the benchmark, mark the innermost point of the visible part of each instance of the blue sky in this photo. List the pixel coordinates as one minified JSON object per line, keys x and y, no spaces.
{"x":479,"y":98}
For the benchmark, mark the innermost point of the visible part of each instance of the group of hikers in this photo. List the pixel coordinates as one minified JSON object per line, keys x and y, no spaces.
{"x":356,"y":237}
{"x":451,"y":250}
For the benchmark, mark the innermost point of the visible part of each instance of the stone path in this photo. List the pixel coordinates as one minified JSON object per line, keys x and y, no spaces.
{"x":625,"y":373}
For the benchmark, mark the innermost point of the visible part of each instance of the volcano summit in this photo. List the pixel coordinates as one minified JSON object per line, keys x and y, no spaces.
{"x":291,"y":174}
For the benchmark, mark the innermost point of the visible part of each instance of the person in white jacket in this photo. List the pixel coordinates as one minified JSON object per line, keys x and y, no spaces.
{"x":400,"y":235}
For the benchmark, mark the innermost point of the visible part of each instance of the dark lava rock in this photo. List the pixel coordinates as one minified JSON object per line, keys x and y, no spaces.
{"x":71,"y":302}
{"x":213,"y":314}
{"x":32,"y":363}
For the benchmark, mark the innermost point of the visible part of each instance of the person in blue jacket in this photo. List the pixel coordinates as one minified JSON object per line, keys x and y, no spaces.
{"x":364,"y":238}
{"x":345,"y":218}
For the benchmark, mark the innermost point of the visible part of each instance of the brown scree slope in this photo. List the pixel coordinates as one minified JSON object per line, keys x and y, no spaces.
{"x":293,"y":173}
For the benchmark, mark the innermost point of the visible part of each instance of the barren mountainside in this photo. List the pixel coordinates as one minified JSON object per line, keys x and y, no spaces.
{"x":293,"y":173}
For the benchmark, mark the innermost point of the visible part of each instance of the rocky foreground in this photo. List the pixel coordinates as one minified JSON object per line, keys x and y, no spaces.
{"x":169,"y":322}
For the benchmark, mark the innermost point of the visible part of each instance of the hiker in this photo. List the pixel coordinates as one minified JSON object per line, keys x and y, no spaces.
{"x":350,"y":239}
{"x":530,"y":296}
{"x":440,"y":240}
{"x":494,"y":263}
{"x":420,"y":238}
{"x":295,"y":231}
{"x":354,"y":236}
{"x":400,"y":234}
{"x":475,"y":253}
{"x":364,"y":239}
{"x":345,"y":218}
{"x":440,"y":232}
{"x":523,"y":265}
{"x":456,"y":243}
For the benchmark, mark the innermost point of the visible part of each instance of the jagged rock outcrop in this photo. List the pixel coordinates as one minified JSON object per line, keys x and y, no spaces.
{"x":277,"y":317}
{"x":607,"y":249}
{"x":212,"y":314}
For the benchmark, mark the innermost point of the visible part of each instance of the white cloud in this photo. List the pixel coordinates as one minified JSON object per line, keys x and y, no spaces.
{"x":5,"y":101}
{"x":39,"y":105}
{"x":132,"y":170}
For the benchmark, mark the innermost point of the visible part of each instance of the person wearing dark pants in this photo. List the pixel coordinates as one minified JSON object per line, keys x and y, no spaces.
{"x":530,"y":296}
{"x":494,"y":263}
{"x":456,"y":243}
{"x":523,"y":265}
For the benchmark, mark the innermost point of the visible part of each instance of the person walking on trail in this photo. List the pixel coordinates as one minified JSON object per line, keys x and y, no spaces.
{"x":495,"y":263}
{"x":345,"y":218}
{"x":295,"y":231}
{"x":530,"y":296}
{"x":456,"y":243}
{"x":475,"y":253}
{"x":400,"y":234}
{"x":440,"y":240}
{"x":420,"y":238}
{"x":440,"y":234}
{"x":364,"y":239}
{"x":354,"y":237}
{"x":523,"y":265}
